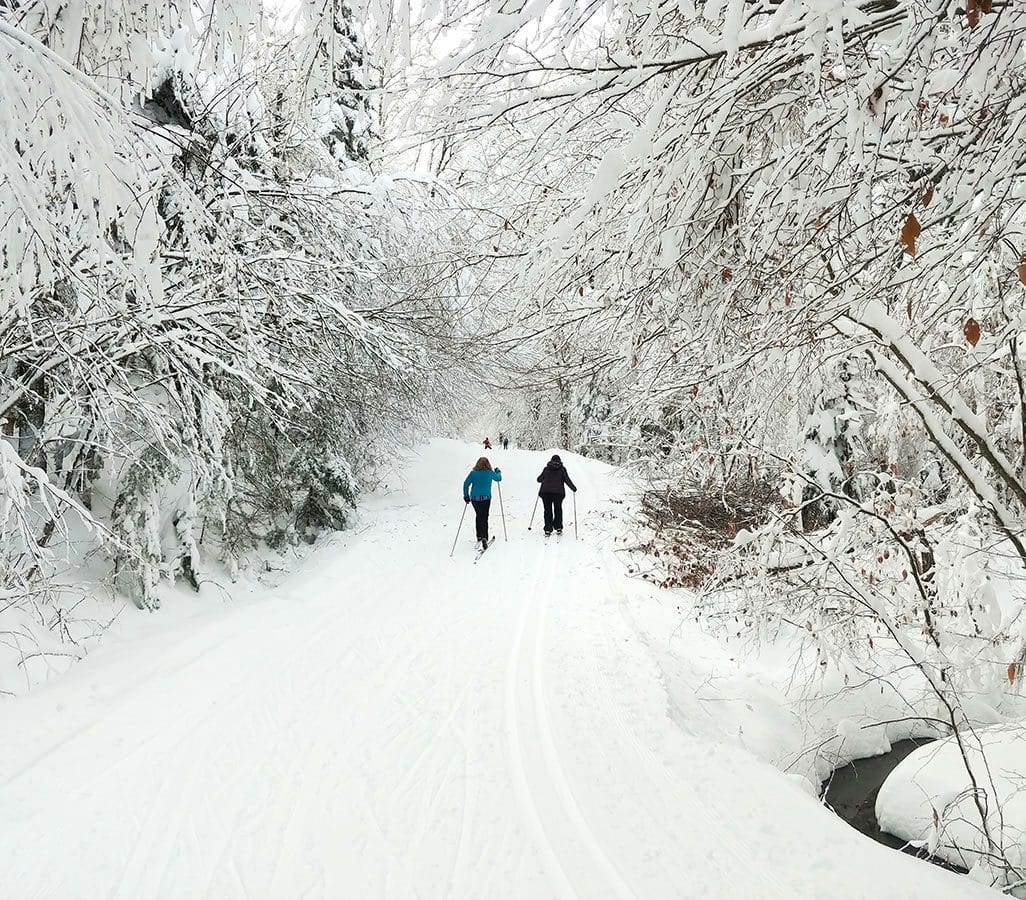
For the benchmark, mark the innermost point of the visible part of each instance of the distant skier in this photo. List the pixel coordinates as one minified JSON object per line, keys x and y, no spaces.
{"x":477,"y":489}
{"x":552,"y":492}
{"x":505,"y":443}
{"x":487,"y":444}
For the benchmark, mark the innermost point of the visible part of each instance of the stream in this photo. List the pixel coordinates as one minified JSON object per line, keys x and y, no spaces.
{"x":851,"y":793}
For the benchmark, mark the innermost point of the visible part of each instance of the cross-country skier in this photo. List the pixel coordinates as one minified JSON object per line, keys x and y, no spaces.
{"x":552,"y":492}
{"x":477,"y":489}
{"x":487,"y":444}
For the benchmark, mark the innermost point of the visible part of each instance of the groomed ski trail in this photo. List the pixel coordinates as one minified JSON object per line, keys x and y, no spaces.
{"x":395,"y":723}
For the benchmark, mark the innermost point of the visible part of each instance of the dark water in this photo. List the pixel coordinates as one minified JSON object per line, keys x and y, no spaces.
{"x":851,"y":793}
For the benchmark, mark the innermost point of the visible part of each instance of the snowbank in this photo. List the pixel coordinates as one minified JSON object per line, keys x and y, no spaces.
{"x":929,"y":799}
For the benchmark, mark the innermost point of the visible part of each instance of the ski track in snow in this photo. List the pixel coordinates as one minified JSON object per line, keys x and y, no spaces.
{"x":394,"y":723}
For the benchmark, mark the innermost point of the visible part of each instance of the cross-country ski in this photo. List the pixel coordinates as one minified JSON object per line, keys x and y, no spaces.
{"x":481,"y":549}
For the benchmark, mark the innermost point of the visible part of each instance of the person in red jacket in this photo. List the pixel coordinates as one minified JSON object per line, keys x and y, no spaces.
{"x":552,"y":491}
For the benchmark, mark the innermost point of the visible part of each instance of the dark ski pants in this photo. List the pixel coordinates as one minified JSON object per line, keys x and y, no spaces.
{"x":552,"y":505}
{"x":481,"y":508}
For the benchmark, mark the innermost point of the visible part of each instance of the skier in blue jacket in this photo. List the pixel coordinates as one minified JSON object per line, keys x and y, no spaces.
{"x":477,"y":489}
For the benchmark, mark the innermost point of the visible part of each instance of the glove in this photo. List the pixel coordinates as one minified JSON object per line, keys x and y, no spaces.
{"x":499,"y":470}
{"x":466,"y":499}
{"x":574,"y":490}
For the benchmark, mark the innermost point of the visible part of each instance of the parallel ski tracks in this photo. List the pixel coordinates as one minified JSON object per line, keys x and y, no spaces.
{"x":564,"y":837}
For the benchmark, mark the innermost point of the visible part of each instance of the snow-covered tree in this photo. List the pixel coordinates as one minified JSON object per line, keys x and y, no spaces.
{"x":741,"y":192}
{"x":211,"y":313}
{"x":828,"y":454}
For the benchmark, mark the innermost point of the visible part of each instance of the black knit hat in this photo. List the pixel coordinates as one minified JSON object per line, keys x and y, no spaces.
{"x":555,"y":458}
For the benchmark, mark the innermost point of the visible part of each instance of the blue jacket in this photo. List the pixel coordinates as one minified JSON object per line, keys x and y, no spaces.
{"x":478,"y":485}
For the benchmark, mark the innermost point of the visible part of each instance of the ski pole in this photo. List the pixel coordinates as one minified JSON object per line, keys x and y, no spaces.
{"x":533,"y":511}
{"x":451,"y":552}
{"x":502,"y":510}
{"x":575,"y":515}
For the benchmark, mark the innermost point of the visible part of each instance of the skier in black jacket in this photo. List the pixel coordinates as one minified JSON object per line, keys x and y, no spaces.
{"x":552,"y":491}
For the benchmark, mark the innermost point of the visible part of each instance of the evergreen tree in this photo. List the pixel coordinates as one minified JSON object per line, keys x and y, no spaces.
{"x":828,"y":453}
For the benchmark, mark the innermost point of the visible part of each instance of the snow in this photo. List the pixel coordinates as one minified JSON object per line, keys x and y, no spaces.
{"x":606,"y":176}
{"x":390,"y":722}
{"x":928,"y":798}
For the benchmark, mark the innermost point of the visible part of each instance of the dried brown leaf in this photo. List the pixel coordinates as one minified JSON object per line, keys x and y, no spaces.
{"x":910,"y":231}
{"x":971,"y":330}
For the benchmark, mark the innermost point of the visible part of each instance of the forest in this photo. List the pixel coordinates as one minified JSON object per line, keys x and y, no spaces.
{"x":766,"y":256}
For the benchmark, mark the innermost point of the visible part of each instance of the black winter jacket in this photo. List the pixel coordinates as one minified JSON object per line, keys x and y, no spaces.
{"x":552,"y":479}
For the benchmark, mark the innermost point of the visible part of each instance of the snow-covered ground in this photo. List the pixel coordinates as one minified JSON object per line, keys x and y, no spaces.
{"x":390,"y":722}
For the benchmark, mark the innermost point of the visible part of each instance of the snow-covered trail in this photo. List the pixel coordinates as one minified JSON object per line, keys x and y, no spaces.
{"x":395,"y":723}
